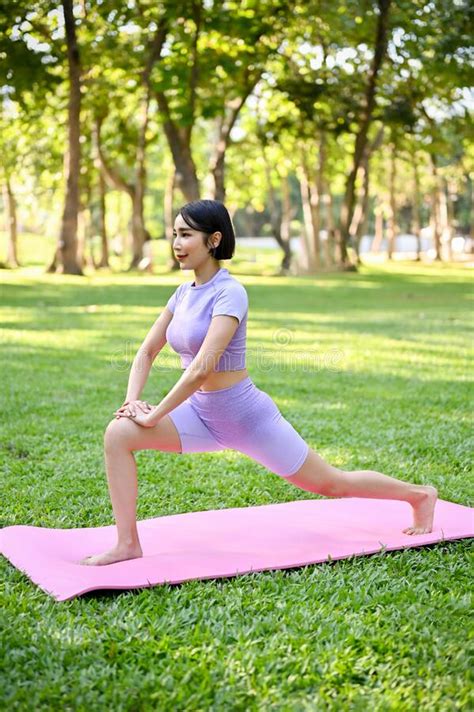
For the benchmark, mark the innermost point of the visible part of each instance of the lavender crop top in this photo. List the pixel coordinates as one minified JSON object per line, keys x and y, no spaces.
{"x":194,"y":305}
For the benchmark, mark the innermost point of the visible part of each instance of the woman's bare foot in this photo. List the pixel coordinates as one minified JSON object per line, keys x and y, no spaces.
{"x":423,"y":510}
{"x":118,"y":553}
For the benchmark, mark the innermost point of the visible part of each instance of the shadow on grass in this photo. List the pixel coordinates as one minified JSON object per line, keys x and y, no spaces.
{"x":301,"y":292}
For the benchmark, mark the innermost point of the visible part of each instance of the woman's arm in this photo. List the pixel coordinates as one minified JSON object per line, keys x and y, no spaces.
{"x":219,"y":335}
{"x":146,"y":354}
{"x":139,"y":373}
{"x":182,"y":389}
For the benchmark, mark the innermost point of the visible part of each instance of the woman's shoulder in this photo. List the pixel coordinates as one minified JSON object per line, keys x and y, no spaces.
{"x":229,"y":290}
{"x":228,"y":281}
{"x":231,"y":286}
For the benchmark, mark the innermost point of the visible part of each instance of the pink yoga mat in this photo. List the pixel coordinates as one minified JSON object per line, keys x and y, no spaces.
{"x":225,"y":542}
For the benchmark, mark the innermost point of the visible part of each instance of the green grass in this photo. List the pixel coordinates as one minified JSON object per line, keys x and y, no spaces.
{"x":371,"y":368}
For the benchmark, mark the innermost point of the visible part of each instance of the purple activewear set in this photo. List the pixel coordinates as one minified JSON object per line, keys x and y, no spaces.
{"x":240,"y":417}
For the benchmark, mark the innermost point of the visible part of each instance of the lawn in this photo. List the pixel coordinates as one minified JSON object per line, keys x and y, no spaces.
{"x":373,"y":369}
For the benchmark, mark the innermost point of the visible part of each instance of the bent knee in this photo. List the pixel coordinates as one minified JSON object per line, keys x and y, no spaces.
{"x":119,"y":430}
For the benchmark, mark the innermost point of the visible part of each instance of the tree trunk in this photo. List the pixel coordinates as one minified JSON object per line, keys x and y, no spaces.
{"x":11,"y":224}
{"x":392,"y":218}
{"x":179,"y":143}
{"x":101,"y":185}
{"x":217,"y":160}
{"x":286,"y":216}
{"x":138,"y":228}
{"x":135,"y":191}
{"x":315,"y":203}
{"x":435,"y":208}
{"x":330,"y":247}
{"x":186,"y":179}
{"x":361,"y":217}
{"x":450,"y":219}
{"x":173,"y":263}
{"x":104,"y":244}
{"x":363,"y":222}
{"x":123,"y":244}
{"x":113,"y":177}
{"x":321,"y":187}
{"x":306,"y":257}
{"x":445,"y":223}
{"x":378,"y":238}
{"x":416,"y":212}
{"x":81,"y":236}
{"x":68,"y":237}
{"x":225,"y":124}
{"x":357,"y":216}
{"x":219,"y":178}
{"x":138,"y":222}
{"x":276,"y":217}
{"x":85,"y":253}
{"x":347,"y":209}
{"x":333,"y":233}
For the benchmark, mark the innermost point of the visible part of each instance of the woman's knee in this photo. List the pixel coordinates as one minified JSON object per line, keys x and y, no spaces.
{"x":124,"y":432}
{"x":317,"y":475}
{"x":119,"y":431}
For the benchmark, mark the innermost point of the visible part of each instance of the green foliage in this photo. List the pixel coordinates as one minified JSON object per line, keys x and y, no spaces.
{"x":301,"y":67}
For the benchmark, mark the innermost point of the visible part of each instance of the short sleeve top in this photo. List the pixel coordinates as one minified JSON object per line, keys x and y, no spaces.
{"x":194,"y":305}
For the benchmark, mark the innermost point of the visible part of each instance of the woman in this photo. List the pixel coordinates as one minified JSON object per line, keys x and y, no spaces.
{"x":215,"y":404}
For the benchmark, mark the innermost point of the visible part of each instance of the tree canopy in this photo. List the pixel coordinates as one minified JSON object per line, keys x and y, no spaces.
{"x":318,"y":119}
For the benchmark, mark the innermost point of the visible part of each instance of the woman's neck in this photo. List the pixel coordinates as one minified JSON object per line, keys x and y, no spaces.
{"x":205,"y":273}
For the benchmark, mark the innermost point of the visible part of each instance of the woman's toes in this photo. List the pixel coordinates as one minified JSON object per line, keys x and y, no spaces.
{"x":87,"y":561}
{"x":113,"y":556}
{"x":416,"y":530}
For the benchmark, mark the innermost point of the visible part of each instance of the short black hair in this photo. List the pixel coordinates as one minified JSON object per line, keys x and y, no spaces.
{"x":210,"y":216}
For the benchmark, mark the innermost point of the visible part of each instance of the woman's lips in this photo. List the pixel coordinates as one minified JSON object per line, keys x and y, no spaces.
{"x":181,"y":257}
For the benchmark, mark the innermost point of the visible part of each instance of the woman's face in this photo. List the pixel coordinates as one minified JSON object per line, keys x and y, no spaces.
{"x":189,"y":247}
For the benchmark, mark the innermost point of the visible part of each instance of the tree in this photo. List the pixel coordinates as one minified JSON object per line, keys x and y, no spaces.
{"x":66,"y":253}
{"x":380,"y":47}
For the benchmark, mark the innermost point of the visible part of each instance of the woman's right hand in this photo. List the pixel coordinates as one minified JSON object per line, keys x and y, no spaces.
{"x":129,"y":408}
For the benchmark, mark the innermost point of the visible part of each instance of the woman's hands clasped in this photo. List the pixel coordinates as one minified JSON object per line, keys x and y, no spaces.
{"x":137,"y":410}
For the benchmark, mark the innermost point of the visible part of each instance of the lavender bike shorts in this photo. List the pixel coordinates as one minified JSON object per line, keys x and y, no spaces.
{"x":244,"y":418}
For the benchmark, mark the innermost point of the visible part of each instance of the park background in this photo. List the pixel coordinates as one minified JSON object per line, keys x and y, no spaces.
{"x":338,"y":136}
{"x":344,"y":126}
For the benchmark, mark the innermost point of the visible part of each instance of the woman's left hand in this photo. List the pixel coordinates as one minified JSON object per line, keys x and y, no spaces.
{"x":140,"y":418}
{"x":143,"y":419}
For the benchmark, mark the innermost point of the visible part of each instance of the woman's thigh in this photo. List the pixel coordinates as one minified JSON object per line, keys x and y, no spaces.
{"x":276,"y":445}
{"x":180,"y":431}
{"x":125,"y":432}
{"x":246,"y":419}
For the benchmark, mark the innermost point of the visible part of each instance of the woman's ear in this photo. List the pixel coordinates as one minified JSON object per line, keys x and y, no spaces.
{"x":216,"y":239}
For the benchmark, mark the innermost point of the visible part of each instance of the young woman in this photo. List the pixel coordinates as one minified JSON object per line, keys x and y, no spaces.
{"x":215,"y":405}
